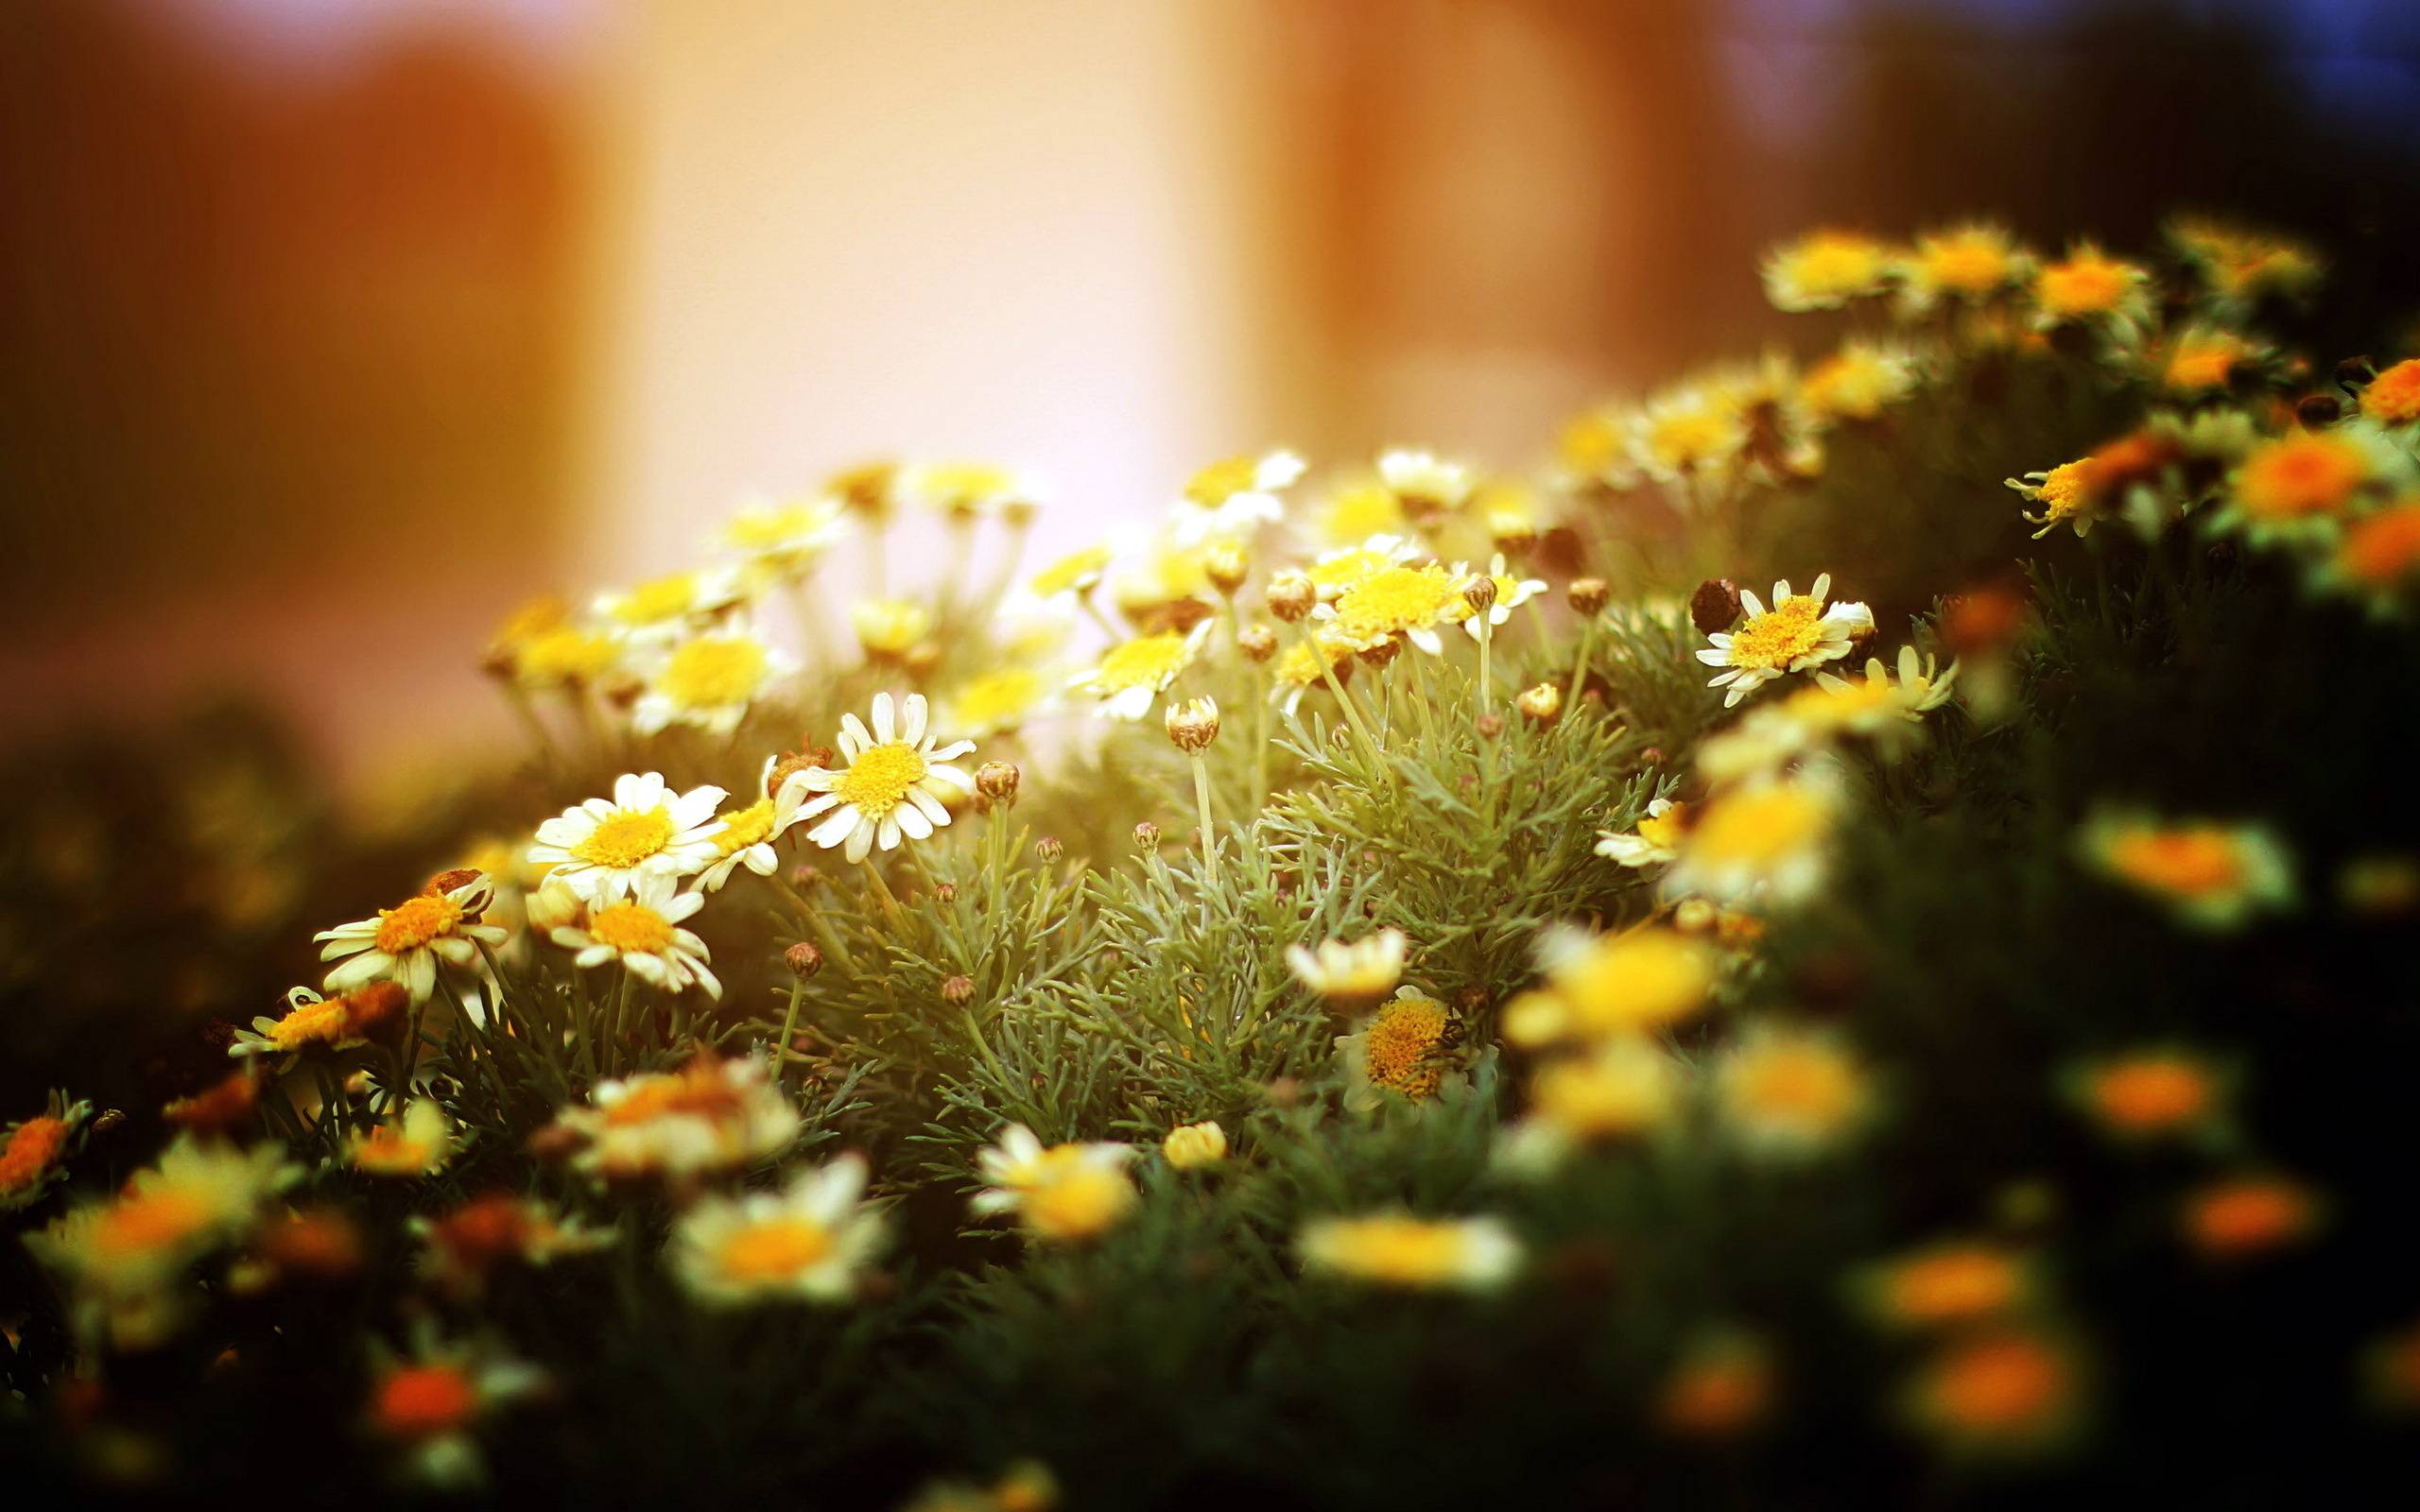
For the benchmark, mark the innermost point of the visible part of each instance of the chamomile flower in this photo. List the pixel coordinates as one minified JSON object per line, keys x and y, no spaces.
{"x":889,"y":629}
{"x":1654,"y":843}
{"x":2392,"y":399}
{"x":404,"y":943}
{"x":565,"y":657}
{"x":786,"y":539}
{"x":428,"y":1405}
{"x":2377,"y":558}
{"x":1972,"y":263}
{"x":1618,"y":1089}
{"x":2242,"y":263}
{"x":1132,"y":675}
{"x":1296,"y":670}
{"x":891,"y":781}
{"x":2303,"y":486}
{"x":1425,"y":484}
{"x":1404,"y":1049}
{"x":34,"y":1150}
{"x":463,"y":1245}
{"x":667,"y":609}
{"x":1874,"y":704}
{"x":1360,"y":511}
{"x":1078,"y":574}
{"x":1826,"y":269}
{"x":1511,"y":594}
{"x":1232,"y":498}
{"x":2089,"y":287}
{"x":312,"y":1023}
{"x":603,"y":847}
{"x":1856,"y":384}
{"x":641,"y":928}
{"x":416,"y":1142}
{"x":1168,"y":589}
{"x":1791,"y":1092}
{"x":2124,"y":475}
{"x":2209,"y":875}
{"x":966,"y":490}
{"x":806,"y":1242}
{"x":2204,"y":361}
{"x":1336,"y":573}
{"x":710,"y":1117}
{"x":1407,"y":1253}
{"x":746,"y":836}
{"x":1355,"y":974}
{"x":1601,"y":987}
{"x":1688,"y":431}
{"x":1764,"y":839}
{"x":999,"y":701}
{"x":710,"y":681}
{"x":1060,"y":1193}
{"x":1799,"y":632}
{"x":1406,"y":603}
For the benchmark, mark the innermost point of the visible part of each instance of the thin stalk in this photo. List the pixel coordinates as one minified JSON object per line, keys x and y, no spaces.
{"x":1209,"y":834}
{"x":1579,"y":667}
{"x":1344,"y":699}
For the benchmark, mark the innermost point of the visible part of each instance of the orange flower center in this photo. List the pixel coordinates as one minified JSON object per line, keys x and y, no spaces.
{"x":421,"y":1401}
{"x":2001,"y":1384}
{"x":773,"y":1250}
{"x":2143,"y":1095}
{"x":631,"y":927}
{"x":626,"y":838}
{"x":2394,"y":396}
{"x":2301,"y":475}
{"x":2382,"y":548}
{"x":2190,"y":862}
{"x":416,"y":922}
{"x":29,"y":1152}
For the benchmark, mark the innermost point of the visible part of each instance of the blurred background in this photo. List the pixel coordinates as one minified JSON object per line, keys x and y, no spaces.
{"x":329,"y":328}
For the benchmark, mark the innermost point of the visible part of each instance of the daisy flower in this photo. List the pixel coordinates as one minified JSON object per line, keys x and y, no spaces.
{"x":1352,"y":975}
{"x":1132,"y":675}
{"x":1195,"y":1147}
{"x":1336,"y":573}
{"x":463,"y":1245}
{"x":1764,"y":839}
{"x":1791,"y":1092}
{"x":312,"y":1023}
{"x":806,"y":1242}
{"x":2303,"y":486}
{"x":1826,"y":269}
{"x":1404,"y":1049}
{"x":786,"y":539}
{"x":1059,"y":1192}
{"x":1358,"y":511}
{"x":418,"y":1142}
{"x":711,"y":1116}
{"x":1423,"y":483}
{"x":964,"y":492}
{"x":2089,"y":286}
{"x":1170,"y":588}
{"x":2207,"y":875}
{"x":1232,"y":498}
{"x":1593,"y":450}
{"x":1296,"y":670}
{"x":604,"y":847}
{"x":1970,"y":263}
{"x":2203,"y":361}
{"x":1683,"y":432}
{"x":34,"y":1150}
{"x":565,"y":657}
{"x":2124,"y":474}
{"x":666,"y":608}
{"x":889,"y":629}
{"x":429,"y":1405}
{"x":998,"y":702}
{"x":2243,"y":264}
{"x":1397,"y":602}
{"x":1077,"y":573}
{"x":640,"y":929}
{"x":404,"y":943}
{"x":2378,"y":557}
{"x":1856,"y":383}
{"x":2393,"y":398}
{"x":1873,"y":704}
{"x":1618,"y":1088}
{"x":746,"y":838}
{"x":710,"y":682}
{"x":1511,"y":594}
{"x":1656,"y":840}
{"x":1801,"y":630}
{"x":1601,"y":987}
{"x":1401,"y":1251}
{"x":891,"y":782}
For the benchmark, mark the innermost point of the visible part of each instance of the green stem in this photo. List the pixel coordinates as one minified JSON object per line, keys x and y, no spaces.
{"x":1579,"y":667}
{"x":1344,"y":699}
{"x":1209,"y":834}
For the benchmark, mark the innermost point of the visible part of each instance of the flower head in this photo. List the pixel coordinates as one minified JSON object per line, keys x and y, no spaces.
{"x":428,"y":1405}
{"x":1061,"y":1192}
{"x":1655,"y":842}
{"x":416,"y":1142}
{"x":1130,"y":679}
{"x":667,"y":609}
{"x":1826,"y":269}
{"x":1800,"y":631}
{"x":2090,"y":286}
{"x":1407,"y":1253}
{"x":806,"y":1242}
{"x":889,"y":629}
{"x":786,"y":539}
{"x":998,"y":701}
{"x":1605,"y":986}
{"x":1351,"y":975}
{"x":1970,"y":263}
{"x":2151,"y":1093}
{"x":1404,"y":1049}
{"x":1397,"y":602}
{"x":712,"y":1116}
{"x":710,"y":681}
{"x":2207,"y":875}
{"x":1194,"y":1146}
{"x":642,"y":929}
{"x":1077,"y":573}
{"x":1999,"y":1391}
{"x":891,"y":782}
{"x":1950,"y":1284}
{"x":966,"y":490}
{"x":1235,"y":496}
{"x":1618,"y":1089}
{"x":1789,"y":1091}
{"x":1856,"y":384}
{"x":312,"y":1023}
{"x":746,"y":836}
{"x":603,"y":847}
{"x":2302,"y":485}
{"x":404,"y":943}
{"x":2237,"y":1217}
{"x":1423,"y":483}
{"x":34,"y":1150}
{"x":1765,"y":838}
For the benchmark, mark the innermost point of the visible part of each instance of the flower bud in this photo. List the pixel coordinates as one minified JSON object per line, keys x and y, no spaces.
{"x":1194,"y":1145}
{"x":1479,"y":593}
{"x":1715,"y":606}
{"x":1379,"y":653}
{"x":1258,"y":642}
{"x":1226,"y":567}
{"x":2318,"y":411}
{"x":802,"y":959}
{"x":445,"y":881}
{"x":1588,"y":594}
{"x":997,"y":781}
{"x":958,"y":990}
{"x":2355,"y":372}
{"x":1049,"y":848}
{"x":944,"y":892}
{"x":1542,"y":704}
{"x":1193,"y":725}
{"x":1147,"y":836}
{"x":1491,"y":724}
{"x":1291,"y":597}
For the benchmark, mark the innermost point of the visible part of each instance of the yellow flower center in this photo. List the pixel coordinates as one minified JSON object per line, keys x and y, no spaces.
{"x":1664,"y":829}
{"x":1078,"y":1203}
{"x":626,"y":838}
{"x":2142,"y":1095}
{"x":1806,"y":1084}
{"x":1395,"y":600}
{"x":1757,"y":827}
{"x":2087,"y":283}
{"x":1951,"y":1285}
{"x":773,"y":1249}
{"x":2382,"y":548}
{"x":1833,"y":264}
{"x":2206,"y":362}
{"x":1782,"y":634}
{"x":714,"y":674}
{"x":880,"y":779}
{"x":1691,"y":438}
{"x":1633,"y":982}
{"x":1403,"y":1251}
{"x":745,"y":827}
{"x":1072,"y":572}
{"x":2394,"y":396}
{"x":651,"y":603}
{"x":1851,"y":386}
{"x":1602,"y":1098}
{"x":565,"y":655}
{"x":1222,"y":480}
{"x":997,"y":699}
{"x":2301,"y":475}
{"x":889,"y":627}
{"x":1359,"y":512}
{"x":150,"y":1221}
{"x":631,"y":928}
{"x":1146,"y":662}
{"x":312,"y":1023}
{"x":1969,"y":263}
{"x":416,"y":922}
{"x":2192,"y":863}
{"x":1399,"y":1049}
{"x":387,"y":1151}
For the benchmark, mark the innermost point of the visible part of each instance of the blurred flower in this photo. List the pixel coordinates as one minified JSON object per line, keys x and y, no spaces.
{"x":710,"y":682}
{"x":643,"y":931}
{"x":1764,"y":839}
{"x":1826,"y":269}
{"x":35,"y":1150}
{"x":312,"y":1021}
{"x":601,"y":849}
{"x":1358,"y":511}
{"x":2091,"y":286}
{"x":965,"y":490}
{"x":1193,"y":1146}
{"x":1233,"y":497}
{"x":428,"y":1404}
{"x":2003,"y":1391}
{"x":892,"y":782}
{"x":1634,"y":982}
{"x":1972,"y":263}
{"x":1335,"y":573}
{"x":2150,"y":1094}
{"x":746,"y":836}
{"x":1949,"y":1284}
{"x":1425,"y":483}
{"x":2243,"y":264}
{"x":1077,"y":573}
{"x":889,"y":629}
{"x":712,"y":1115}
{"x":1296,"y":670}
{"x":1397,"y":602}
{"x":667,"y":609}
{"x":1132,"y":676}
{"x":1686,"y":431}
{"x":804,"y":1242}
{"x":418,"y":1142}
{"x":2393,"y":398}
{"x":465,"y":1244}
{"x":565,"y":657}
{"x":1397,"y":1250}
{"x":1025,"y":1487}
{"x":1654,"y":842}
{"x":404,"y":943}
{"x":1873,"y":704}
{"x":1800,"y":631}
{"x":2300,"y":485}
{"x":786,"y":539}
{"x":1618,"y":1088}
{"x":1722,"y":1386}
{"x":1791,"y":1092}
{"x":1403,"y":1048}
{"x":2205,"y":360}
{"x":2377,"y":558}
{"x":2240,"y":1217}
{"x":1061,"y":1193}
{"x":1351,"y":975}
{"x":2209,"y":875}
{"x":1856,"y":383}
